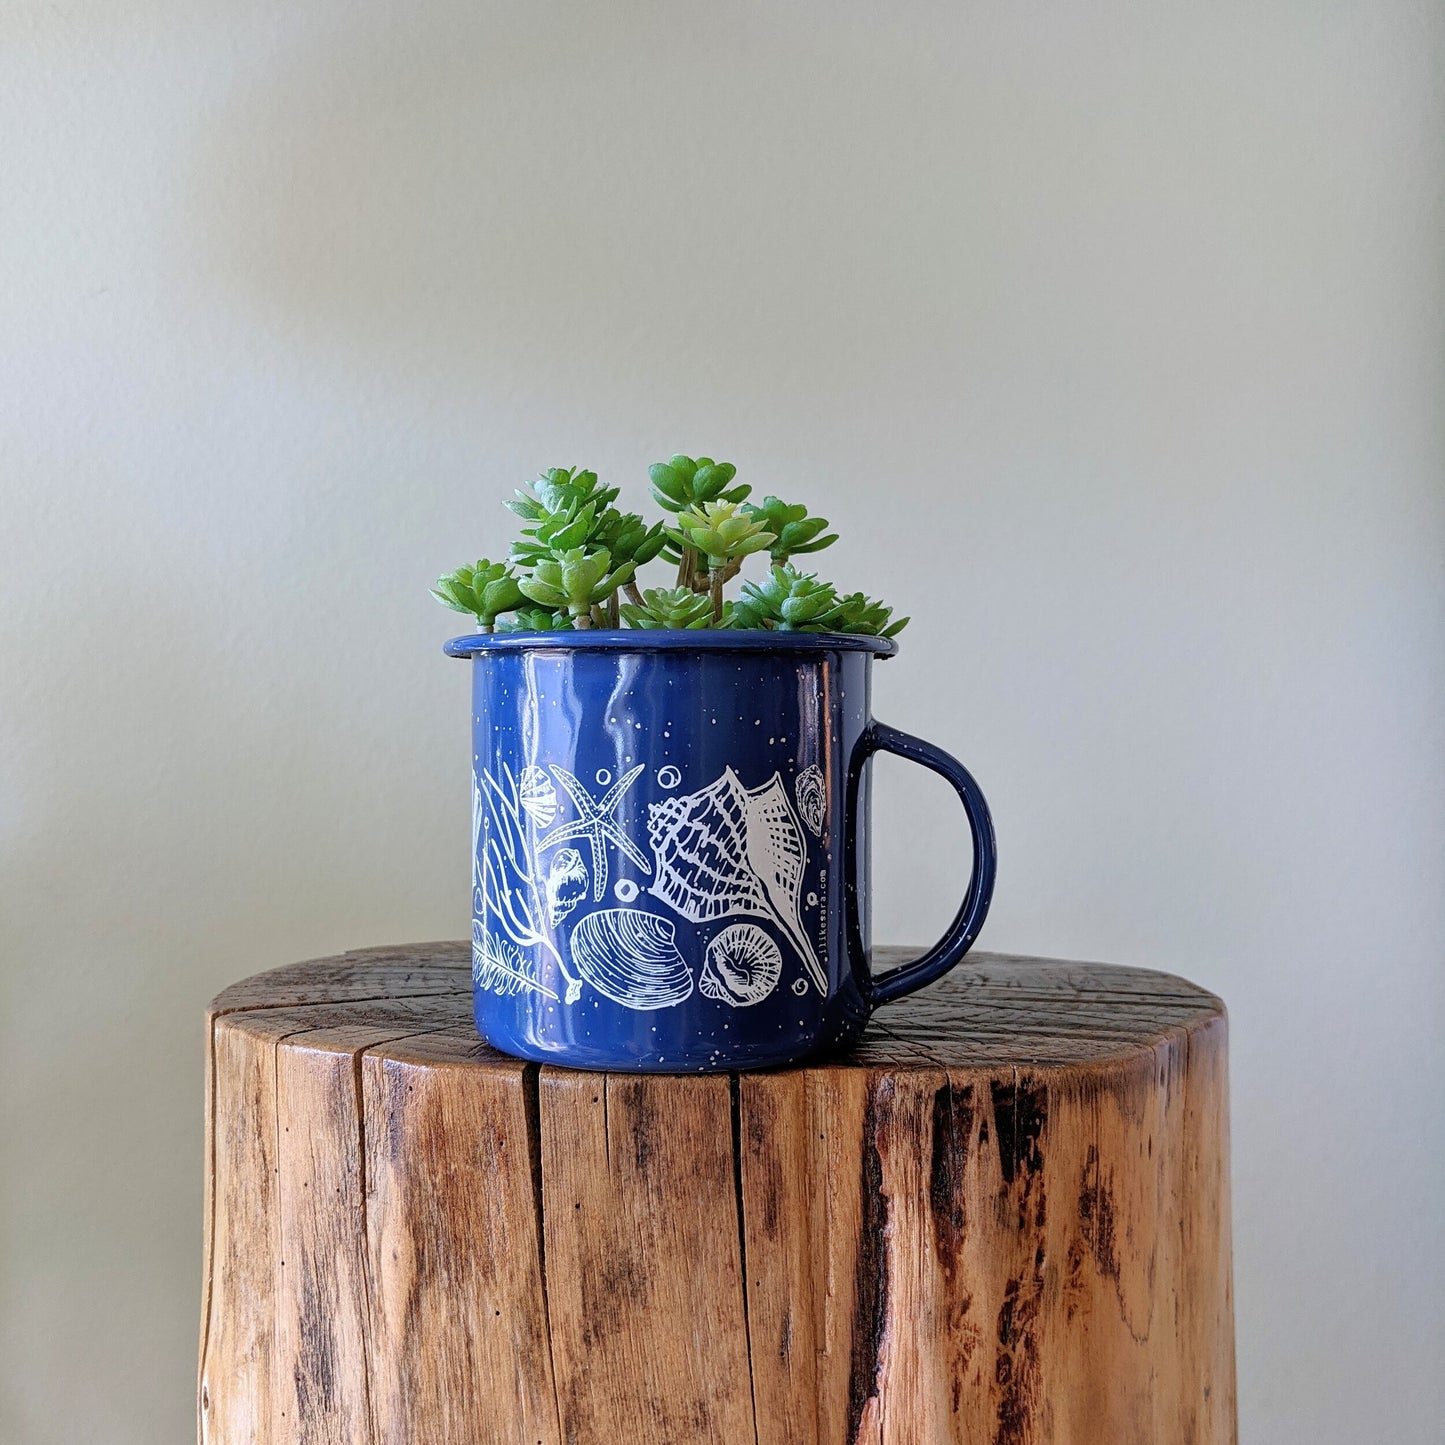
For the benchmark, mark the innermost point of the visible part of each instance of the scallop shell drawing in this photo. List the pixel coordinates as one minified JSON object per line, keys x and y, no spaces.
{"x":810,"y":792}
{"x":631,"y":957}
{"x":742,"y":966}
{"x":537,"y":795}
{"x":566,"y":883}
{"x":727,"y":850}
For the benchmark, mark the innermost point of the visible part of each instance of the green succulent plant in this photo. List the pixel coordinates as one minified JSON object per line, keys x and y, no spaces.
{"x":675,"y":607}
{"x":578,"y":555}
{"x":629,"y":539}
{"x":486,"y":591}
{"x":682,"y":482}
{"x":562,"y":490}
{"x":578,"y":581}
{"x":535,"y":619}
{"x":719,"y":532}
{"x":719,"y":535}
{"x":859,"y":614}
{"x":786,"y":600}
{"x":794,"y":531}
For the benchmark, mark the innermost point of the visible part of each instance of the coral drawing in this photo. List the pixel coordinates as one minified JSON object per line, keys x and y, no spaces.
{"x":509,"y":899}
{"x":810,"y":793}
{"x":537,"y":795}
{"x":498,"y":966}
{"x":595,"y":823}
{"x":742,"y":966}
{"x":631,"y":957}
{"x":726,"y":850}
{"x":566,"y":883}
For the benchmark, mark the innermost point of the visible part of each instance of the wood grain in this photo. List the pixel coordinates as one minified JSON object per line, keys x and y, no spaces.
{"x":1002,"y":1220}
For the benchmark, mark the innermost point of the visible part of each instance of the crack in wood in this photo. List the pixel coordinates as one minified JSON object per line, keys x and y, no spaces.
{"x":532,"y":1104}
{"x":870,"y":1289}
{"x":735,"y":1106}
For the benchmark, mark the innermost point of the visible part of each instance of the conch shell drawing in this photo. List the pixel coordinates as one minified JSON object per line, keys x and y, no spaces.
{"x":727,"y":850}
{"x":742,"y":966}
{"x":631,"y":957}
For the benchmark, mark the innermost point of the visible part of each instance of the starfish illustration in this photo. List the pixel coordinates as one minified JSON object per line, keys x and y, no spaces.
{"x":597,"y":825}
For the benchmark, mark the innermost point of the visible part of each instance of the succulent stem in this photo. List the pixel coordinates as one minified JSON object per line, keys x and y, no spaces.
{"x":715,"y":579}
{"x":687,"y":570}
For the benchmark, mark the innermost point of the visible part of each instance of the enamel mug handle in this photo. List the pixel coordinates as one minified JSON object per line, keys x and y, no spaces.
{"x":949,"y":949}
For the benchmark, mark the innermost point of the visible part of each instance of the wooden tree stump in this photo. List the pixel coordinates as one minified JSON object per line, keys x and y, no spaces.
{"x":1004,"y":1218}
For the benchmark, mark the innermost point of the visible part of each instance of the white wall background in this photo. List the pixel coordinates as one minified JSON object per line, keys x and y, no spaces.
{"x":1111,"y":336}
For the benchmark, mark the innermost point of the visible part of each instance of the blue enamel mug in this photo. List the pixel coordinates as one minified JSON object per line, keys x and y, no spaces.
{"x":671,"y":845}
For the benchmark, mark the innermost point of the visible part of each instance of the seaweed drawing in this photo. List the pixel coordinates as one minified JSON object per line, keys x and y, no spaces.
{"x":811,"y":794}
{"x":595,"y":823}
{"x":506,"y":887}
{"x":727,"y":850}
{"x":498,"y":966}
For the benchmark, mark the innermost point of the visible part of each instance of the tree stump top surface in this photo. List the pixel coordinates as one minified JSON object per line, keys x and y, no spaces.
{"x":1003,"y":1217}
{"x":994,"y":1010}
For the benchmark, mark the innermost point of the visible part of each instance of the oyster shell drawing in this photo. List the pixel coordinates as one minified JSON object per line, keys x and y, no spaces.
{"x":631,"y":957}
{"x":727,"y":850}
{"x":742,"y":966}
{"x":537,"y":795}
{"x":566,"y":883}
{"x":811,"y":794}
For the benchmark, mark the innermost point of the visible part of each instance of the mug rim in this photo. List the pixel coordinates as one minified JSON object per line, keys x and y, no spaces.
{"x":647,"y":639}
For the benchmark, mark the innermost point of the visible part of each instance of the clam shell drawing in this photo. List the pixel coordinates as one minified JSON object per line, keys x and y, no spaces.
{"x":566,"y":883}
{"x":811,"y":793}
{"x":727,"y":850}
{"x":537,"y":795}
{"x":631,"y":957}
{"x":742,"y":966}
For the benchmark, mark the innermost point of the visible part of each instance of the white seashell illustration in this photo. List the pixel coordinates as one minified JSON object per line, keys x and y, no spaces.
{"x":537,"y":795}
{"x":742,"y":966}
{"x":566,"y":883}
{"x":811,"y":796}
{"x":632,"y":957}
{"x":727,"y":850}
